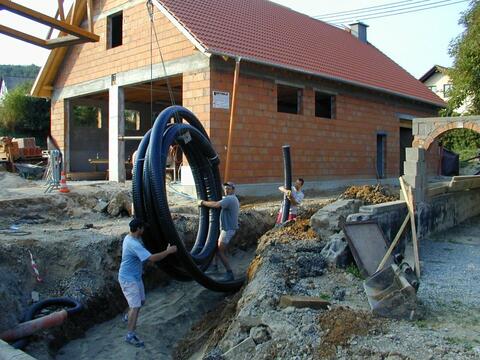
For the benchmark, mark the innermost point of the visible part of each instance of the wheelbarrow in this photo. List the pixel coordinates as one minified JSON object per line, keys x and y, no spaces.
{"x":29,"y":171}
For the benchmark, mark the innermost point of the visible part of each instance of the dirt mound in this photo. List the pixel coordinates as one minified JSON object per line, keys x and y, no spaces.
{"x":370,"y":194}
{"x":340,"y":325}
{"x":299,"y":229}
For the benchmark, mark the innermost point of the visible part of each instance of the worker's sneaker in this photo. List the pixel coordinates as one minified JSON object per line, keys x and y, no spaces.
{"x":228,"y":276}
{"x":132,"y":339}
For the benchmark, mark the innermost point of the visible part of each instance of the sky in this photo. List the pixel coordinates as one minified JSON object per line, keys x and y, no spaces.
{"x":416,"y":41}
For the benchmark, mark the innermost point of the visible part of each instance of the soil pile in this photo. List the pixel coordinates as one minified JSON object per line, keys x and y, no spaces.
{"x":370,"y":194}
{"x":340,"y":325}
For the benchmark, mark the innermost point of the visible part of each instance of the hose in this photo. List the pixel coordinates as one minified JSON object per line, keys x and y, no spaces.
{"x":74,"y":307}
{"x":178,"y":126}
{"x":287,"y":175}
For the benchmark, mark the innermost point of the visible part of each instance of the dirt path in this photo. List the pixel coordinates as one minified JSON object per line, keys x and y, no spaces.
{"x":450,"y":290}
{"x":167,"y":316}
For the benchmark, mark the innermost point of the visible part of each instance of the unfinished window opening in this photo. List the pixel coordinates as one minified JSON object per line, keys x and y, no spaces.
{"x":289,"y":99}
{"x":381,"y":155}
{"x":87,"y":116}
{"x":115,"y":30}
{"x":132,"y":120}
{"x":324,"y":105}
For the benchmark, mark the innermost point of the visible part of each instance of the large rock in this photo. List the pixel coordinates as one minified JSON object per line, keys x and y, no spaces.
{"x":120,"y":203}
{"x":330,"y":219}
{"x":337,"y":252}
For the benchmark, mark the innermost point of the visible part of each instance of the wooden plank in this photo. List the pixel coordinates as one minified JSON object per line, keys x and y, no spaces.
{"x":394,"y":243}
{"x":409,"y":200}
{"x":22,"y":36}
{"x":63,"y":41}
{"x":303,"y":302}
{"x":90,"y":15}
{"x":60,"y":10}
{"x":48,"y":20}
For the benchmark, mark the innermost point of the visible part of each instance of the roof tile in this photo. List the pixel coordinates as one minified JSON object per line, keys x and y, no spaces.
{"x":263,"y":31}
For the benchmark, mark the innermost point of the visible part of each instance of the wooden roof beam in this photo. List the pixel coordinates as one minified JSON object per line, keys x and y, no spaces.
{"x":48,"y":20}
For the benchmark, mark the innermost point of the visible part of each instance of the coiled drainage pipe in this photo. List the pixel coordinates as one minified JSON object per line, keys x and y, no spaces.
{"x":177,"y":125}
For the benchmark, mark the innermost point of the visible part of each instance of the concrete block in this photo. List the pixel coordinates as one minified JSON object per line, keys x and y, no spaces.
{"x":303,"y":302}
{"x":417,"y":182}
{"x":9,"y":353}
{"x":243,"y":350}
{"x":414,"y":154}
{"x":414,"y":167}
{"x":337,"y":252}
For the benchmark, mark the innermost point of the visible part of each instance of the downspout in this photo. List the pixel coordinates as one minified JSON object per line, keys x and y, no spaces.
{"x":232,"y":114}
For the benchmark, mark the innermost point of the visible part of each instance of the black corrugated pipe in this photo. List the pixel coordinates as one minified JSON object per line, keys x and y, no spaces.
{"x":150,"y":197}
{"x":287,"y":175}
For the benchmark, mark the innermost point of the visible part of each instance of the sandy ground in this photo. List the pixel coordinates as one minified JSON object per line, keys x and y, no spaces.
{"x":167,"y":316}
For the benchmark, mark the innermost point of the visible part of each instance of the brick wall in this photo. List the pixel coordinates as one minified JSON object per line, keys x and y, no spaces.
{"x":344,"y":147}
{"x":57,"y":125}
{"x":90,"y":61}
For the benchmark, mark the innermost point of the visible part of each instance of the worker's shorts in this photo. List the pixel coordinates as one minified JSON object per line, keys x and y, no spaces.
{"x":134,"y":292}
{"x":226,"y":236}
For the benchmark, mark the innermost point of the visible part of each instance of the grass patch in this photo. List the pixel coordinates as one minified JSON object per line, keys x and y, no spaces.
{"x":325,"y":297}
{"x":353,"y":269}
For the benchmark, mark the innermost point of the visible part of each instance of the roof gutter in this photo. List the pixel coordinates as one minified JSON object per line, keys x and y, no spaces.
{"x":327,"y":77}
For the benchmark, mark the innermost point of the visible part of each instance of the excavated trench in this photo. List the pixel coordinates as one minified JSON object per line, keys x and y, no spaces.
{"x":78,"y":252}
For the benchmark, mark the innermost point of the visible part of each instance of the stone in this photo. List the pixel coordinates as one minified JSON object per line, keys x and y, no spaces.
{"x":337,"y":251}
{"x":339,"y":294}
{"x":260,"y":334}
{"x":101,"y":206}
{"x":330,"y":219}
{"x":120,"y":203}
{"x":243,"y":350}
{"x":35,"y":296}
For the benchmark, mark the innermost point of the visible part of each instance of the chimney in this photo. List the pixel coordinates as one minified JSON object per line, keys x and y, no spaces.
{"x":359,"y":30}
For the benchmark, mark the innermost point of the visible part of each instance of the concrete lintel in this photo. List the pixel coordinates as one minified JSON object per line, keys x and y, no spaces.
{"x":384,"y":207}
{"x":269,"y":189}
{"x":116,"y":128}
{"x":451,"y":119}
{"x":131,"y":77}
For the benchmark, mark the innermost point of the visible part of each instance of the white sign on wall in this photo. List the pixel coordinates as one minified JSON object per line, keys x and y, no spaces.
{"x":221,"y":100}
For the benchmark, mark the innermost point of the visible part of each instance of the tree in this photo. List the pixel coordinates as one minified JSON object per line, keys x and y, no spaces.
{"x":465,"y":73}
{"x":22,"y":115}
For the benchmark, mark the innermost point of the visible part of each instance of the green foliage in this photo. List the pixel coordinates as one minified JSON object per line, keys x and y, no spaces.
{"x":465,"y":142}
{"x":24,"y":116}
{"x":465,"y":73}
{"x":85,"y":116}
{"x":353,"y":269}
{"x":325,"y":297}
{"x":25,"y":71}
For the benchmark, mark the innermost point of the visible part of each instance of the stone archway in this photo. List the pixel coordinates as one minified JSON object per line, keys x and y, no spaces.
{"x":425,"y":131}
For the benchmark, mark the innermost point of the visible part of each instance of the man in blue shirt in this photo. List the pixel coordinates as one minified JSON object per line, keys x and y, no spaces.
{"x":228,"y":223}
{"x":134,"y":255}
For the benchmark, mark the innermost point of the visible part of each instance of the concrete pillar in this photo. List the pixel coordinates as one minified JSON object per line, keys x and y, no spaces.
{"x":415,"y":172}
{"x":116,"y":128}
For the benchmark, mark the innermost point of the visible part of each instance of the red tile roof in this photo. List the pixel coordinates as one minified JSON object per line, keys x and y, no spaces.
{"x":265,"y":32}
